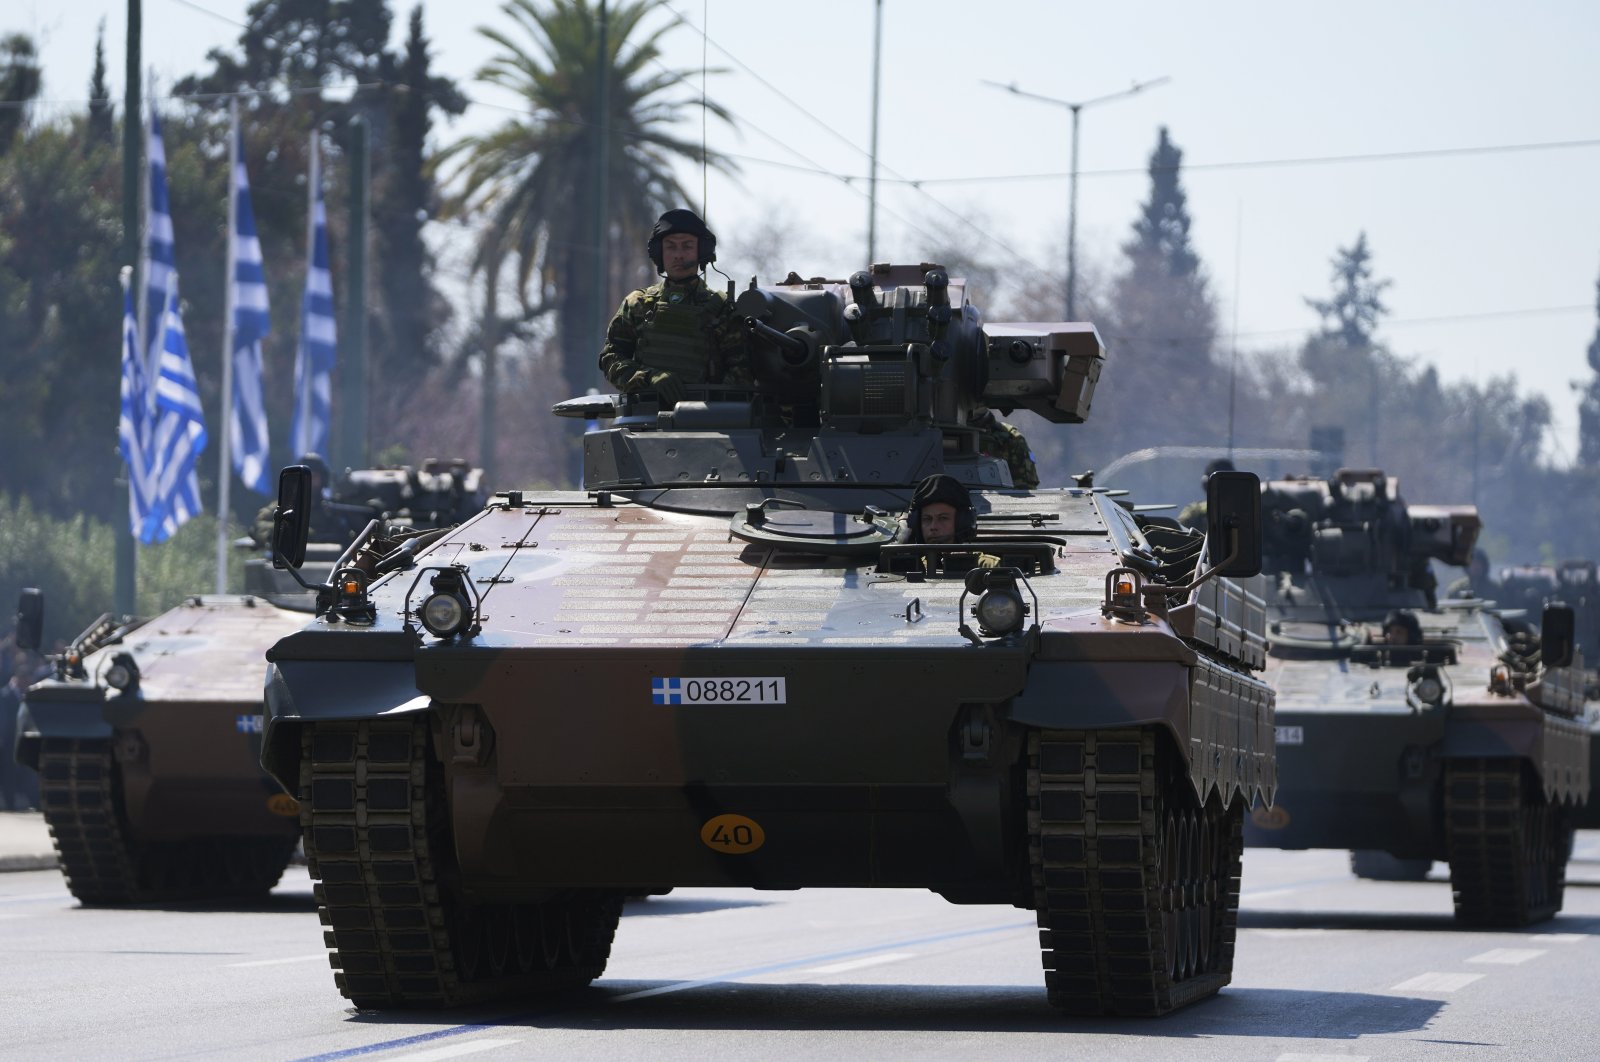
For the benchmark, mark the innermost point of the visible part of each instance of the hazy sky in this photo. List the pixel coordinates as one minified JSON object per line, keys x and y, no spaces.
{"x":1494,"y":251}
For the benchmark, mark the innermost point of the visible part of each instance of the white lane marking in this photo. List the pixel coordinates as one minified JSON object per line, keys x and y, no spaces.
{"x":272,"y":962}
{"x":1302,"y":1057}
{"x":857,"y":964}
{"x":1508,"y":956}
{"x":1437,"y":982}
{"x":1558,"y":938}
{"x":469,"y":1047}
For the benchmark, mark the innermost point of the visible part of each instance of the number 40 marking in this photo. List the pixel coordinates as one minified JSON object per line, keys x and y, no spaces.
{"x":733,"y":834}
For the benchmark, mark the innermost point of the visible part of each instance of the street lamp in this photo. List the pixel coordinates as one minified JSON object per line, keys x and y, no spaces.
{"x":1072,"y":194}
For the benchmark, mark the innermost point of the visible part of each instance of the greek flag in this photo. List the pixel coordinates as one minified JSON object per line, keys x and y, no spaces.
{"x":314,"y":358}
{"x":247,"y":422}
{"x":133,"y":424}
{"x":160,"y":258}
{"x":178,"y":435}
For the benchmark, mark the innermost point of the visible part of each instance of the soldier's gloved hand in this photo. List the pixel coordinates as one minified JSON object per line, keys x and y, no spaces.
{"x":668,"y":386}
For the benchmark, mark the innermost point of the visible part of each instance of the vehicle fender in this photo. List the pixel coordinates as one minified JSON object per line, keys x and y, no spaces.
{"x":1556,"y":748}
{"x":72,"y":719}
{"x":306,"y":690}
{"x":1078,"y":695}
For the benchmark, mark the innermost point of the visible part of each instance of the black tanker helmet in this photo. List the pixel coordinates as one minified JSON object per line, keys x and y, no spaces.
{"x":1399,"y":617}
{"x":681,"y":222}
{"x":951,"y":491}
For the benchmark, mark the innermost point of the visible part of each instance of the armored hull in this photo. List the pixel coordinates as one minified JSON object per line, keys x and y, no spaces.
{"x":148,"y":739}
{"x":154,"y":793}
{"x":722,"y":667}
{"x":1459,"y":748}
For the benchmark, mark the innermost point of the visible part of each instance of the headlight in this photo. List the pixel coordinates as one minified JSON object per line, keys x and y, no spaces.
{"x":123,"y":674}
{"x":999,"y":612}
{"x":1429,"y":690}
{"x":444,"y":614}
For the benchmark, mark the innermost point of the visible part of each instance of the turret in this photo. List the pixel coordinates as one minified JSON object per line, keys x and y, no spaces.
{"x":874,"y":379}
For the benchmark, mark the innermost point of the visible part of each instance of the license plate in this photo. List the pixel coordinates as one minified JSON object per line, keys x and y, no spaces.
{"x":1291,"y":735}
{"x":767,"y":690}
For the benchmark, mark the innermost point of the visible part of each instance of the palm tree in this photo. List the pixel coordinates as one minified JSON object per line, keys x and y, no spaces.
{"x":533,"y":180}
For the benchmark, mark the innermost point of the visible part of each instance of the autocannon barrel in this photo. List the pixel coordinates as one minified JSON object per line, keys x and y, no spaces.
{"x":793,"y":350}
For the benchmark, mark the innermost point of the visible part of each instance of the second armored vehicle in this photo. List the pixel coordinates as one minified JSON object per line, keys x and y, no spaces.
{"x":730,"y":661}
{"x":1411,"y":730}
{"x":147,"y":740}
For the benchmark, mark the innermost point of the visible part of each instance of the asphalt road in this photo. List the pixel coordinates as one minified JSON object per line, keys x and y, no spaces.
{"x":1328,"y":967}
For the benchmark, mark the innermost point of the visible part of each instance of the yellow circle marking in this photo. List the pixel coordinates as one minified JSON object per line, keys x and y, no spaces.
{"x":283,"y":804}
{"x":733,"y":834}
{"x":1273,"y":818}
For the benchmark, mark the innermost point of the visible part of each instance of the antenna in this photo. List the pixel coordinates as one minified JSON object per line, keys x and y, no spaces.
{"x":705,"y":37}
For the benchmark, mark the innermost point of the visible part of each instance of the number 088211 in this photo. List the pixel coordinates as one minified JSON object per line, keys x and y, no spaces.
{"x":734,"y":691}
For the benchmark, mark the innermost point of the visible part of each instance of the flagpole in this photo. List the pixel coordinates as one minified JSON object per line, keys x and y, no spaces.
{"x":302,"y":397}
{"x":225,"y":473}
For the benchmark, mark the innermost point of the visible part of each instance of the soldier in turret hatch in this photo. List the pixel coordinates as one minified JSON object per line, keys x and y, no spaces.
{"x":1000,"y":439}
{"x":1194,"y":514}
{"x":677,"y":332}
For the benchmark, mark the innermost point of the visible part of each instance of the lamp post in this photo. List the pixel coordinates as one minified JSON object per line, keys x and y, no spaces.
{"x":1072,"y":194}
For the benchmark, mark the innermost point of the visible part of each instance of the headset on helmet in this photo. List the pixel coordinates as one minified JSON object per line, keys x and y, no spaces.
{"x":949,"y":490}
{"x":681,"y":221}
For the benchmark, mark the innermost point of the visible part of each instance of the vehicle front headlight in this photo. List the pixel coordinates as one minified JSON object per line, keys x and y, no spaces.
{"x":999,"y":611}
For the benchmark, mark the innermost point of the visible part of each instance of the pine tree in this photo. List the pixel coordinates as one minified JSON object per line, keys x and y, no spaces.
{"x":414,"y":311}
{"x":1344,"y":359}
{"x":1160,"y":241}
{"x":20,"y":81}
{"x":1160,"y":326}
{"x":101,"y":130}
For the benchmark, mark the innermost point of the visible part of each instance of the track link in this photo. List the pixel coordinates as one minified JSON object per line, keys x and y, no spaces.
{"x":1507,"y":844}
{"x":78,"y":788}
{"x":400,"y":930}
{"x":106,"y":865}
{"x":1136,"y":886}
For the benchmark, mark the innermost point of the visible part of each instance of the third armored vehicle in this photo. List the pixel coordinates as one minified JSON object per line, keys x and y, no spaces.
{"x":730,"y":662}
{"x":147,"y":739}
{"x":1410,"y":729}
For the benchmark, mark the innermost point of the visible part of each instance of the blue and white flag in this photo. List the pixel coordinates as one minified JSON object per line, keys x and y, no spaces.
{"x":314,"y":359}
{"x":133,"y":424}
{"x":160,"y":260}
{"x":247,"y":422}
{"x":178,"y":435}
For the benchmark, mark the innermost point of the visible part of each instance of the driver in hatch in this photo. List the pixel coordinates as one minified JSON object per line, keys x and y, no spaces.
{"x":942,"y":513}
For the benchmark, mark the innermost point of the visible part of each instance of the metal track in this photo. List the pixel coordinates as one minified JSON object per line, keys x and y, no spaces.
{"x":106,"y":865}
{"x":1507,"y":844}
{"x":78,"y":790}
{"x":401,"y":931}
{"x":1136,"y":886}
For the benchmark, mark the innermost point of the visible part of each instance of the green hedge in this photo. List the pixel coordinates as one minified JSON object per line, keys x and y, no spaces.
{"x":74,"y":561}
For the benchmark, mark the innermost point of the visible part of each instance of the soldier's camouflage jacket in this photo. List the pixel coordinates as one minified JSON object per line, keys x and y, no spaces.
{"x":999,"y":439}
{"x":683,"y":328}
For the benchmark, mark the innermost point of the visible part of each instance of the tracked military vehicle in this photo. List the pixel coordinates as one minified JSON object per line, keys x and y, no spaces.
{"x":1411,"y":730}
{"x":147,"y":737}
{"x":725,"y":663}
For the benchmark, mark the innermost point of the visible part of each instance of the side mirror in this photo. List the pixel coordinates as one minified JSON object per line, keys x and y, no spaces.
{"x":30,"y":618}
{"x":1233,"y":510}
{"x":291,"y":526}
{"x":1558,"y":628}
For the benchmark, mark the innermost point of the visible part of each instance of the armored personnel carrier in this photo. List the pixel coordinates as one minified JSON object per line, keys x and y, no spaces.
{"x":1411,"y":730}
{"x":727,"y":662}
{"x":147,"y":737}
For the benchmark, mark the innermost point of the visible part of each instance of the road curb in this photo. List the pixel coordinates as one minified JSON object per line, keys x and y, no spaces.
{"x":29,"y":862}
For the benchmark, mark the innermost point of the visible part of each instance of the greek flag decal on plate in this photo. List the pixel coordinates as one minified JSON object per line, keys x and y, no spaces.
{"x":666,"y":691}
